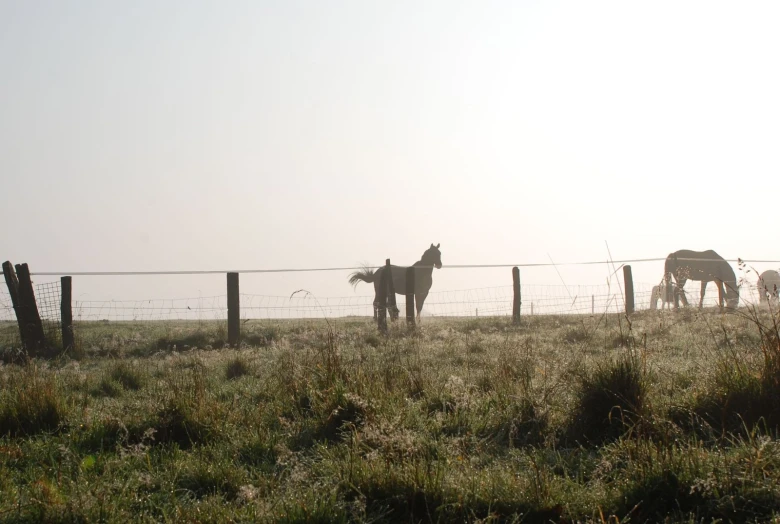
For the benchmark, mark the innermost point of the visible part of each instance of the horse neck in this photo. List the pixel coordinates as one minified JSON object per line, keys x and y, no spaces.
{"x":428,"y":270}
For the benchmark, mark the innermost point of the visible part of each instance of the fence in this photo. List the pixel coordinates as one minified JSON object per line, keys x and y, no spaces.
{"x":477,"y":302}
{"x":302,"y":306}
{"x":48,"y":297}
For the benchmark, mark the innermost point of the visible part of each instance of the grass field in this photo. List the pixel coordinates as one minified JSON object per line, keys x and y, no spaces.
{"x":671,"y":416}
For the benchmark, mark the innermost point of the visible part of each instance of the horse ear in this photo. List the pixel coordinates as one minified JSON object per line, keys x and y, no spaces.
{"x":437,"y":245}
{"x":431,"y":244}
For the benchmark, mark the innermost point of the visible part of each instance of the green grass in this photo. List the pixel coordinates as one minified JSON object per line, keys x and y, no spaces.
{"x":671,"y":417}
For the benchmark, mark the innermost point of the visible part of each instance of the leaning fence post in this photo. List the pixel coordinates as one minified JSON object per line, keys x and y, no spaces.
{"x":234,"y":310}
{"x":66,"y":314}
{"x":410,"y":296}
{"x":391,"y":302}
{"x":629,"y":283}
{"x":32,"y":334}
{"x":13,"y":289}
{"x":516,"y":293}
{"x":381,"y":299}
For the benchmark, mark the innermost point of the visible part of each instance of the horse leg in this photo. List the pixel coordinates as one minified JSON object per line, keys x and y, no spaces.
{"x":679,"y":294}
{"x":419,"y":298}
{"x":703,"y":287}
{"x":654,"y":294}
{"x":394,"y":313}
{"x":376,"y":301}
{"x":721,"y":293}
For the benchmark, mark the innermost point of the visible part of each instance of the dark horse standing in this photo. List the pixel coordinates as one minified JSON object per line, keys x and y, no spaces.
{"x":705,"y":266}
{"x":423,"y":277}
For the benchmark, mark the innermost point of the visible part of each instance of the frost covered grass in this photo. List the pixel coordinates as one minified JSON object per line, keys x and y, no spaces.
{"x":671,"y":416}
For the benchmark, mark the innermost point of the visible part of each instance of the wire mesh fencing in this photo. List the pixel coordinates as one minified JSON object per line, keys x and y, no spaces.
{"x":476,"y":302}
{"x":48,"y":296}
{"x":195,"y":308}
{"x":9,"y":329}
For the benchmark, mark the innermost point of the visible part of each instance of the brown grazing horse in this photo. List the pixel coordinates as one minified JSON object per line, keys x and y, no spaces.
{"x":704,"y":266}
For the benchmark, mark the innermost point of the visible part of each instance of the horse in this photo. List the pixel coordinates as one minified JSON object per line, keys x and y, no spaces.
{"x":704,"y":266}
{"x":768,"y":287}
{"x":423,"y":278}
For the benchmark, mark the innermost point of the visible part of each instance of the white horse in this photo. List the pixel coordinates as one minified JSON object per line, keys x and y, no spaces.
{"x":768,"y":287}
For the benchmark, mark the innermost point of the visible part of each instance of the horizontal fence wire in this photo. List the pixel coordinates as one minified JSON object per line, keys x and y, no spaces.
{"x":614,"y":263}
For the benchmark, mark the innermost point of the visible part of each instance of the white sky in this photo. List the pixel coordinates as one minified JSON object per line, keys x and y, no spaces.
{"x":233,"y":135}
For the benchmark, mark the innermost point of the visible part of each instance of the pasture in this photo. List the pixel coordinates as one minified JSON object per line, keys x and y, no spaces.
{"x":672,"y":415}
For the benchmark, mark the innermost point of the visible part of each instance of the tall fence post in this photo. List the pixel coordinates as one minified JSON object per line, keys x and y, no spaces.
{"x":13,"y":289}
{"x":391,"y":302}
{"x":629,"y":283}
{"x":381,"y":306}
{"x":410,"y":296}
{"x":516,"y":290}
{"x":234,"y":310}
{"x":66,"y":314}
{"x":593,"y":304}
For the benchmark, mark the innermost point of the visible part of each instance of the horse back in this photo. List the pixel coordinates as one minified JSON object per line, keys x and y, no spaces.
{"x":423,"y":279}
{"x":704,"y":266}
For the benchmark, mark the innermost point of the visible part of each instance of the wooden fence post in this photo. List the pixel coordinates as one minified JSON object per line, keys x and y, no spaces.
{"x":13,"y":289}
{"x":516,"y":290}
{"x":381,"y":307}
{"x":32,"y":333}
{"x":66,"y":314}
{"x":391,"y":302}
{"x":629,"y":283}
{"x":593,"y":304}
{"x":410,"y":296}
{"x":234,"y":310}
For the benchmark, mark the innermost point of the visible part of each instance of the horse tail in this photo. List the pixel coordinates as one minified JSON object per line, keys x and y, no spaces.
{"x":365,"y":274}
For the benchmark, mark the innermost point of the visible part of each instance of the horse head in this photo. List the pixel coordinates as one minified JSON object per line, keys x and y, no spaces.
{"x":670,"y":267}
{"x":732,"y":294}
{"x":432,"y":256}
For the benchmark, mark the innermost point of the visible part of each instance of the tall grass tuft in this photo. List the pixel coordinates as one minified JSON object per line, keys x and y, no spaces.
{"x":744,"y":397}
{"x":208,"y":479}
{"x":31,"y":404}
{"x":190,"y":414}
{"x":128,"y":377}
{"x":610,"y":401}
{"x":237,"y":368}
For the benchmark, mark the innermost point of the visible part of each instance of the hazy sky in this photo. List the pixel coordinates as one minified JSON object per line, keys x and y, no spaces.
{"x":177,"y":135}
